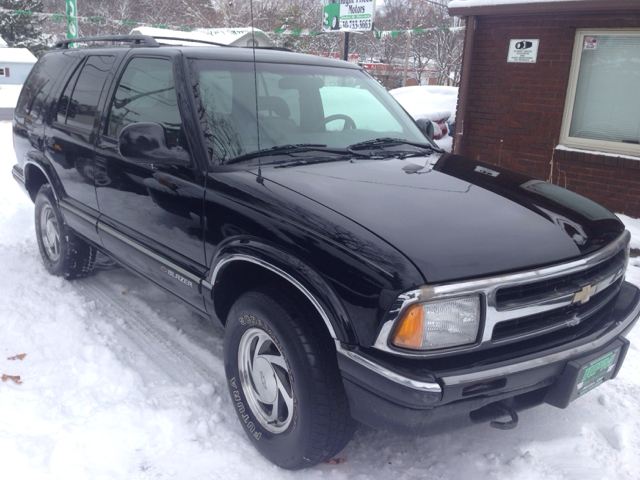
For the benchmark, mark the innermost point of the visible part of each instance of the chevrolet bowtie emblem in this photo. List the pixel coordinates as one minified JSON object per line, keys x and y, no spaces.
{"x":585,"y":294}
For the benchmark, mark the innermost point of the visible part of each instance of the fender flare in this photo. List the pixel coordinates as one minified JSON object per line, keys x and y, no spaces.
{"x":37,"y":160}
{"x":294,"y":271}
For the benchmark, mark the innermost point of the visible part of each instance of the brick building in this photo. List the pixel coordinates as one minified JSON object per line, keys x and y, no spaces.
{"x":552,"y":88}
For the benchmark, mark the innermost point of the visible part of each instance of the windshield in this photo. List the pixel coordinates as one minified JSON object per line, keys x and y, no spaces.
{"x":293,"y":105}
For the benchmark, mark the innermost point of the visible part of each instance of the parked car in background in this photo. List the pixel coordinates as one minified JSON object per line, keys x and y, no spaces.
{"x":431,"y":102}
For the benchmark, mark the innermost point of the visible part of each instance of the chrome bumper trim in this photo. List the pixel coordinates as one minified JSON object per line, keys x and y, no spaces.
{"x":427,"y":387}
{"x":547,"y":359}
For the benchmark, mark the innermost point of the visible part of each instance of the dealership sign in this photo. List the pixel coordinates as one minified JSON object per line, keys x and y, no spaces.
{"x":348,"y":14}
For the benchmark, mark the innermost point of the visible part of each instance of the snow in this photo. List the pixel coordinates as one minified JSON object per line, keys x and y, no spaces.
{"x":226,"y":36}
{"x":432,"y":102}
{"x":9,"y":95}
{"x":121,"y":381}
{"x":16,"y":55}
{"x":428,"y":101}
{"x":595,"y":152}
{"x":482,"y":3}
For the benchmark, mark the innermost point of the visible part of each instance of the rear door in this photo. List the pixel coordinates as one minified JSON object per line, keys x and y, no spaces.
{"x":151,"y":215}
{"x":71,"y":140}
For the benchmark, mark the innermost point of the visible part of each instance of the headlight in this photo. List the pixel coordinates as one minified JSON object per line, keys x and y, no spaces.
{"x":438,"y":324}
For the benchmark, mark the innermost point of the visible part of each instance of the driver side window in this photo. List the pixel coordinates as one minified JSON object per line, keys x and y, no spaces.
{"x":146,"y":93}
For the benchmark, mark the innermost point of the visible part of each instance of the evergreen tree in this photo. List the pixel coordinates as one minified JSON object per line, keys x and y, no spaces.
{"x":21,"y":29}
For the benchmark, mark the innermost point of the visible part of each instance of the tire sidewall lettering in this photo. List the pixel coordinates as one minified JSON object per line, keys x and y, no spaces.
{"x":245,"y":414}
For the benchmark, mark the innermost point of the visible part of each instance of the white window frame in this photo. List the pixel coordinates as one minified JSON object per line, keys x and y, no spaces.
{"x":585,"y":143}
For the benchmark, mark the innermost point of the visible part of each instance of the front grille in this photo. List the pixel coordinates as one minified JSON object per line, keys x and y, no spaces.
{"x":535,"y":292}
{"x":570,"y":315}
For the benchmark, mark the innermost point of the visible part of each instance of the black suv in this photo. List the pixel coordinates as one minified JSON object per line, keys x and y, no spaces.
{"x":360,"y":272}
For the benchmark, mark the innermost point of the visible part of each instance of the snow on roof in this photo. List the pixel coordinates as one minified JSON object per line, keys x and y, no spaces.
{"x":226,"y":36}
{"x":17,"y":55}
{"x":485,"y":3}
{"x":498,"y":7}
{"x":2,"y":43}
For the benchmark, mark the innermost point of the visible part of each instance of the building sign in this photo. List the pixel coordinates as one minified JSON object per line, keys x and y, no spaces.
{"x":523,"y":51}
{"x":348,"y":14}
{"x":590,"y":43}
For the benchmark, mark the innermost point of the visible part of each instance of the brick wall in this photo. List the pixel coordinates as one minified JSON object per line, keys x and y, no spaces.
{"x":514,"y":110}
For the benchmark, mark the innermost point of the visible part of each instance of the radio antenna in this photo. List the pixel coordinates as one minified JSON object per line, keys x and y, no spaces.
{"x":255,"y":85}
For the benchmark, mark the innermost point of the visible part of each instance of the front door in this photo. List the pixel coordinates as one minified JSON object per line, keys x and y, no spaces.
{"x":151,"y":215}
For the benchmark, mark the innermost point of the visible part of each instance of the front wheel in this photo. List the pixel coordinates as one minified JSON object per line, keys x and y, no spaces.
{"x":284,"y":381}
{"x":63,"y":252}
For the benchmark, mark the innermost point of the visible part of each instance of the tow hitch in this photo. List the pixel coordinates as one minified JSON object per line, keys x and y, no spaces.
{"x":506,"y":410}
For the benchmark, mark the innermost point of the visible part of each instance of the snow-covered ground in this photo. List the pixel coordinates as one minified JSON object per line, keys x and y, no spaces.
{"x":9,"y":95}
{"x":120,"y":381}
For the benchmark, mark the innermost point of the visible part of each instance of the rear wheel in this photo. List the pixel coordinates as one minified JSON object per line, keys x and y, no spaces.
{"x":284,"y":381}
{"x":63,"y":252}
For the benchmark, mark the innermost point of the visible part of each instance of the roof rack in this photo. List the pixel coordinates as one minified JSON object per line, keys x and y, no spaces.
{"x":139,"y":40}
{"x":135,"y":40}
{"x":195,"y":40}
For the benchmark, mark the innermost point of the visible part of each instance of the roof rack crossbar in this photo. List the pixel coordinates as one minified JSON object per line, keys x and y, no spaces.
{"x":182,"y":39}
{"x":135,"y":40}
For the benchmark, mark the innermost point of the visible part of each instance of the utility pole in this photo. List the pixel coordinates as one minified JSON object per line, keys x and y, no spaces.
{"x":344,"y":46}
{"x":408,"y":49}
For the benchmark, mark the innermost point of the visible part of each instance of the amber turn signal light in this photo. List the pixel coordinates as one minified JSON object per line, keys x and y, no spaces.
{"x":410,"y":328}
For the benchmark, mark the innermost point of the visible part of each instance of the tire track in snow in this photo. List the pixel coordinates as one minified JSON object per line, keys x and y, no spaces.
{"x":168,"y":355}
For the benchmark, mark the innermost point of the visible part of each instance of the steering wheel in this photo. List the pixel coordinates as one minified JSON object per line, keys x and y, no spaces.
{"x":349,"y":124}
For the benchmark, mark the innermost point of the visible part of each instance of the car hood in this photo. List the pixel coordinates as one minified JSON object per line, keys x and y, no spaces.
{"x":456,"y":218}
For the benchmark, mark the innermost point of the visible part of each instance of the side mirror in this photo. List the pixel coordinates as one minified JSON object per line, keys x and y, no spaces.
{"x":426,"y":126}
{"x":144,"y":143}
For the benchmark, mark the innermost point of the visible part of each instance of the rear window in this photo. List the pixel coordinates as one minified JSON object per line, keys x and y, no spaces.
{"x":37,"y":90}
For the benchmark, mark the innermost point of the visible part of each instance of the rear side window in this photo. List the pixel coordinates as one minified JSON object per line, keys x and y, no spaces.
{"x":146,"y":93}
{"x":79,"y":102}
{"x":38,"y":88}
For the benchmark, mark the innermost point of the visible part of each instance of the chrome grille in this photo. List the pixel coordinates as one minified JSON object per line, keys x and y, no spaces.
{"x":568,"y":316}
{"x":523,"y":305}
{"x":513,"y":297}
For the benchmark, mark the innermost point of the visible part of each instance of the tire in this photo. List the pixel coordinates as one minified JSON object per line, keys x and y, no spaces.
{"x":63,"y":253}
{"x":284,"y":381}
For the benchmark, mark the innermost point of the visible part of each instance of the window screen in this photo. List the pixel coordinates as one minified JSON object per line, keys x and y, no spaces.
{"x":606,"y":105}
{"x":146,"y":93}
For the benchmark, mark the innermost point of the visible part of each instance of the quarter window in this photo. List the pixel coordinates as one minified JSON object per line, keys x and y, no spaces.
{"x":602,"y":110}
{"x":79,"y":102}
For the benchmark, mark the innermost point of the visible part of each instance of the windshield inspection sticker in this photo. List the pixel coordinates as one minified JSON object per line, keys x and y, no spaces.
{"x":523,"y":51}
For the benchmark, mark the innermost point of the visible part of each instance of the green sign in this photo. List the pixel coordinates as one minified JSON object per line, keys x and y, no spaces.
{"x":72,"y":25}
{"x":348,"y":14}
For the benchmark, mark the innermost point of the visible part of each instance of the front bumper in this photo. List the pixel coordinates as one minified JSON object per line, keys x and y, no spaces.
{"x":412,"y":397}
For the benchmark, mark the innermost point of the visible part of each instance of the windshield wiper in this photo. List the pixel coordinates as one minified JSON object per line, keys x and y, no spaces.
{"x":380,"y":143}
{"x":286,"y":150}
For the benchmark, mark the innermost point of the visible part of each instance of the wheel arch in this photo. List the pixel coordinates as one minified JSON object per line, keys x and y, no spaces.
{"x":37,"y":173}
{"x":239,"y":269}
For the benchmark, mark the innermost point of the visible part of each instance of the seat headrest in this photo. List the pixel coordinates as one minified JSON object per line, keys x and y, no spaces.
{"x":276,"y":105}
